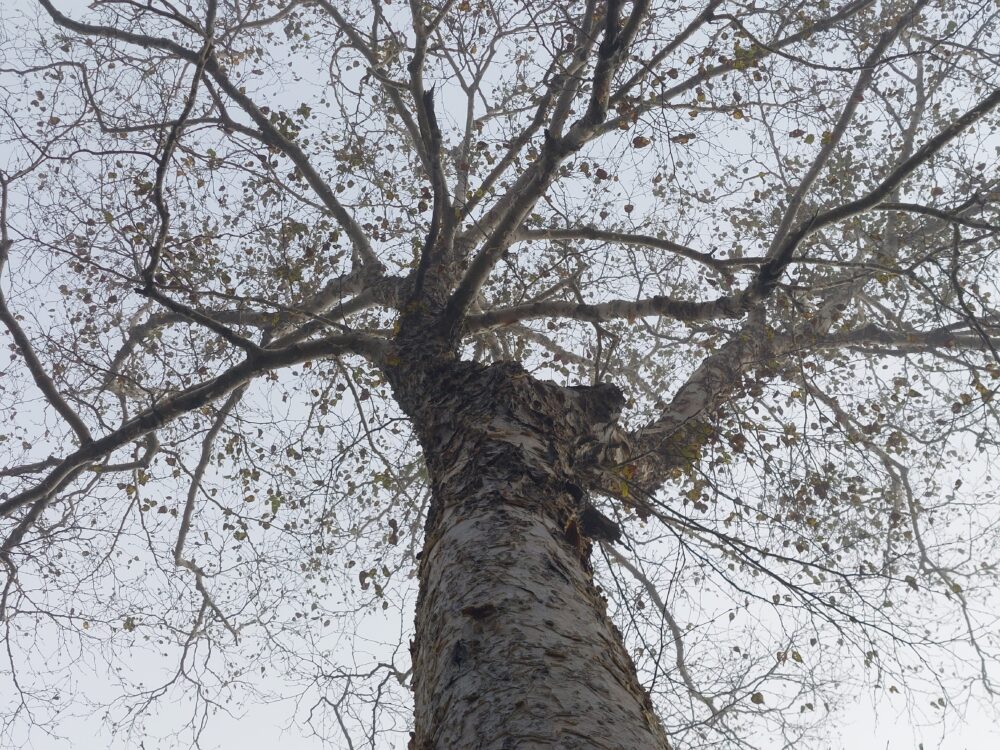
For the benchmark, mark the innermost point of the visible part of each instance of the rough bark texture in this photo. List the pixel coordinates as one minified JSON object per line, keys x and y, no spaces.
{"x":514,"y":648}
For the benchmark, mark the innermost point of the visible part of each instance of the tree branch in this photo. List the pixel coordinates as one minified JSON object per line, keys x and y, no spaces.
{"x":39,"y":375}
{"x":270,"y":133}
{"x":165,"y":412}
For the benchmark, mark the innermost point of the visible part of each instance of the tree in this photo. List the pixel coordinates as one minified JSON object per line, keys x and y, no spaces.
{"x":645,"y":343}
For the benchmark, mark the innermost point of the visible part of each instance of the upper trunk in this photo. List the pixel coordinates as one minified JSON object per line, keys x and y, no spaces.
{"x":514,"y":647}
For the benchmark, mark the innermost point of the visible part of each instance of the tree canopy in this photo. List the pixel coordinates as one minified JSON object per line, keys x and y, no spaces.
{"x":772,"y":226}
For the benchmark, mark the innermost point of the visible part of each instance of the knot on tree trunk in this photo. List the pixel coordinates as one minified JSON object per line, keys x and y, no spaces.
{"x":489,"y":433}
{"x":547,"y":428}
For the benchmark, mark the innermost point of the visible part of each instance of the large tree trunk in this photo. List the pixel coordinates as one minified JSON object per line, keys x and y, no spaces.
{"x":514,"y":647}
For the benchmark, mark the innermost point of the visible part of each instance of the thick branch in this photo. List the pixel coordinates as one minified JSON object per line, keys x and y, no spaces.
{"x":270,"y":133}
{"x":593,"y":233}
{"x":689,"y":312}
{"x":188,"y":400}
{"x":505,"y":218}
{"x":831,"y":143}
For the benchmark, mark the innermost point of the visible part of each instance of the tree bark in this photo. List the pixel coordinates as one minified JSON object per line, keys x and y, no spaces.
{"x":514,"y":647}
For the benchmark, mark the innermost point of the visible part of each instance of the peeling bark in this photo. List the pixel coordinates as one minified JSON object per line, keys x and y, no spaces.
{"x":514,"y":647}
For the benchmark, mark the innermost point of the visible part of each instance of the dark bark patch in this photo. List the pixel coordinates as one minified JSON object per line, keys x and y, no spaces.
{"x":578,"y":540}
{"x":459,"y":653}
{"x":479,"y":611}
{"x":596,"y":525}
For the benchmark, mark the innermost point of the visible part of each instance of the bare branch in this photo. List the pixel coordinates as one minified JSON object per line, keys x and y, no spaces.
{"x":35,"y":367}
